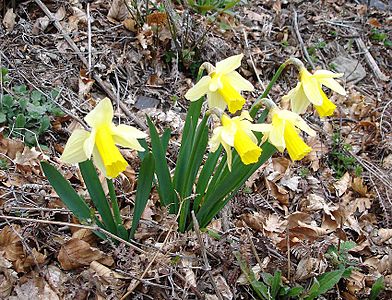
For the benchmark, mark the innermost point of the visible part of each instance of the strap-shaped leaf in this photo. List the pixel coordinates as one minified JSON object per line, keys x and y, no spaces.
{"x":166,"y":191}
{"x":97,"y":194}
{"x":66,"y":193}
{"x":144,"y":185}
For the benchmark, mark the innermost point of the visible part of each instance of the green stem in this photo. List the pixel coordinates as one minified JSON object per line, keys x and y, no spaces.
{"x":258,"y":104}
{"x":113,"y":199}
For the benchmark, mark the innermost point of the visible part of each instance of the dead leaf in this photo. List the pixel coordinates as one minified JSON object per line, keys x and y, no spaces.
{"x":10,"y":147}
{"x":35,"y":288}
{"x":10,"y":243}
{"x":306,"y":268}
{"x":77,"y":253}
{"x":130,"y":24}
{"x":118,"y":11}
{"x":384,"y":235}
{"x":85,"y":84}
{"x":374,"y":22}
{"x":223,"y":287}
{"x":356,"y":282}
{"x":105,"y":274}
{"x":291,"y":182}
{"x":9,"y":20}
{"x":40,"y":25}
{"x":359,"y":186}
{"x":343,"y":184}
{"x":278,"y":192}
{"x":318,"y":151}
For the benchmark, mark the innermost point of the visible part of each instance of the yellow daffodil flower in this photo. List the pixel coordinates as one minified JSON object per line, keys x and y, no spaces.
{"x":237,"y":133}
{"x":283,"y":133}
{"x":309,"y":90}
{"x":222,"y":85}
{"x":102,"y":140}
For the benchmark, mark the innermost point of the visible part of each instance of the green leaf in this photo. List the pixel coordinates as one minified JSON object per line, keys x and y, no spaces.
{"x":8,"y":101}
{"x":20,"y":121}
{"x":23,"y":103}
{"x":276,"y":284}
{"x":294,"y":291}
{"x":324,"y":283}
{"x":377,"y":287}
{"x":20,"y":89}
{"x":66,"y":193}
{"x":166,"y":191}
{"x":44,"y":124}
{"x":97,"y":194}
{"x":261,"y":290}
{"x":36,"y":96}
{"x":3,"y":117}
{"x":144,"y":185}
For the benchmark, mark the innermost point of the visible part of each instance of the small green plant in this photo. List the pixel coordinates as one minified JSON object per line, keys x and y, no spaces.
{"x":27,"y":113}
{"x":339,"y":256}
{"x":340,"y":160}
{"x":4,"y":78}
{"x":312,"y":50}
{"x":270,"y":287}
{"x":377,"y":288}
{"x":3,"y":164}
{"x":304,"y":172}
{"x":284,"y":44}
{"x":379,"y":36}
{"x":205,"y":6}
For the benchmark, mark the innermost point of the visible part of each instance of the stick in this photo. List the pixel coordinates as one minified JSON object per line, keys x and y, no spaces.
{"x":370,"y":60}
{"x":300,"y":40}
{"x":97,"y":79}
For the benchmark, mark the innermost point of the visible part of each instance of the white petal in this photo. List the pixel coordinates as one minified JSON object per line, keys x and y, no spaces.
{"x":126,"y":136}
{"x":73,"y":151}
{"x":238,"y":82}
{"x":89,"y":143}
{"x":326,"y":74}
{"x":98,"y":161}
{"x":229,"y":64}
{"x":311,"y":89}
{"x":216,"y":100}
{"x":215,"y":140}
{"x":276,"y":135}
{"x":199,"y":89}
{"x":245,"y":116}
{"x":298,"y":100}
{"x":229,"y":155}
{"x":333,"y":85}
{"x":261,"y":127}
{"x":227,"y":135}
{"x":101,"y":114}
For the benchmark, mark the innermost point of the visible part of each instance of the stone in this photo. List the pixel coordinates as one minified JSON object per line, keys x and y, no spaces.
{"x":352,"y":69}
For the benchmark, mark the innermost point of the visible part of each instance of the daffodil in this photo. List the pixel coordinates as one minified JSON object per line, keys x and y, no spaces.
{"x":101,"y":142}
{"x":283,"y":133}
{"x":237,"y":132}
{"x":222,"y":85}
{"x":309,"y":90}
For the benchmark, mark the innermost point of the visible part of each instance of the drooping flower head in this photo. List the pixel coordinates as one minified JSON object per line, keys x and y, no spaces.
{"x":283,"y":133}
{"x":237,"y":132}
{"x":222,"y":85}
{"x":309,"y":90}
{"x":102,"y":140}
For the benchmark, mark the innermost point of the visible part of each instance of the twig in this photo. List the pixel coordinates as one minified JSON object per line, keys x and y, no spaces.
{"x":97,"y":79}
{"x":251,"y":59}
{"x":207,"y":266}
{"x":382,"y":118}
{"x":300,"y":40}
{"x":89,"y":37}
{"x":370,"y":60}
{"x":93,"y":228}
{"x":252,"y":245}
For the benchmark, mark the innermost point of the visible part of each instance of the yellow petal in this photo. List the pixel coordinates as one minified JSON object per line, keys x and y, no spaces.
{"x":111,"y":157}
{"x":215,"y":82}
{"x":229,"y":64}
{"x":296,"y":119}
{"x":311,"y":89}
{"x":326,"y":74}
{"x":98,"y":162}
{"x":126,"y":136}
{"x":199,"y":90}
{"x":298,"y":100}
{"x":296,"y":147}
{"x":101,"y":114}
{"x":248,"y":151}
{"x":73,"y":151}
{"x":238,"y":82}
{"x":327,"y":108}
{"x":276,"y":135}
{"x":232,"y":97}
{"x":215,"y":139}
{"x":215,"y":100}
{"x":228,"y":131}
{"x":229,"y":155}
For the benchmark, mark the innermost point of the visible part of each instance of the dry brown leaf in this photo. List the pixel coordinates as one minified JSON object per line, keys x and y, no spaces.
{"x":223,"y":287}
{"x":278,"y":192}
{"x":359,"y":186}
{"x":318,"y":151}
{"x":10,"y":147}
{"x":254,"y":221}
{"x":77,"y":253}
{"x":130,"y":24}
{"x":106,"y":275}
{"x":35,"y":288}
{"x":343,"y":184}
{"x":306,"y":268}
{"x":384,"y":235}
{"x":85,"y":235}
{"x":40,"y":25}
{"x":118,"y":11}
{"x":10,"y":244}
{"x":275,"y":224}
{"x":85,"y":84}
{"x":9,"y":20}
{"x":356,"y":282}
{"x":190,"y":277}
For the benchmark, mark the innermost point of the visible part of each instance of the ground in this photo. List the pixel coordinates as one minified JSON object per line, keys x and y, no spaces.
{"x":331,"y":210}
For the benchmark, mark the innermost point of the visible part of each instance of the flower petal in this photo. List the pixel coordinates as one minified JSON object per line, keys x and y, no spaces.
{"x":296,"y":147}
{"x":126,"y":136}
{"x":238,"y":82}
{"x":97,"y":159}
{"x":276,"y":135}
{"x":229,"y":155}
{"x":215,"y":139}
{"x":199,"y":89}
{"x":229,"y":64}
{"x":101,"y":114}
{"x":215,"y":100}
{"x":326,"y":74}
{"x":298,"y":100}
{"x":89,"y":143}
{"x":73,"y":151}
{"x":326,"y":109}
{"x":311,"y":89}
{"x":333,"y":85}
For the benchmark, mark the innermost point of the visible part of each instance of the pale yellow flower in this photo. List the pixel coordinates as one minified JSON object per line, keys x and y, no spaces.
{"x":222,"y":86}
{"x":237,"y":133}
{"x":101,"y":142}
{"x":283,"y":133}
{"x":309,"y":90}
